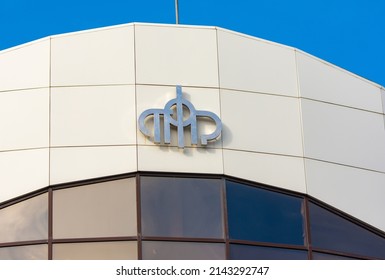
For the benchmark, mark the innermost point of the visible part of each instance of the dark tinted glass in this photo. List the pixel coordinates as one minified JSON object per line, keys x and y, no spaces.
{"x":97,"y":210}
{"x":25,"y":221}
{"x":323,"y":256}
{"x":260,"y":215}
{"x":181,"y":207}
{"x":330,"y":231}
{"x":155,"y":250}
{"x":247,"y":252}
{"x":116,"y":250}
{"x":28,"y":252}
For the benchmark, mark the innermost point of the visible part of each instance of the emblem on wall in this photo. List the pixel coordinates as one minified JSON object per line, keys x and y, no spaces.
{"x":175,"y":119}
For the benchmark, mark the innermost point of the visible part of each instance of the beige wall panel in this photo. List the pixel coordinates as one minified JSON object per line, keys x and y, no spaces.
{"x":251,"y":64}
{"x":79,"y":163}
{"x":358,"y":192}
{"x":176,"y":55}
{"x":22,"y":172}
{"x":24,"y":119}
{"x":84,"y":116}
{"x":25,"y":66}
{"x":96,"y":57}
{"x":261,"y":123}
{"x":343,"y":135}
{"x":172,"y":159}
{"x":322,"y":81}
{"x":279,"y":171}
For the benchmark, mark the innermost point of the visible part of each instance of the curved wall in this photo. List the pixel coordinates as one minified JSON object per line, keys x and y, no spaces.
{"x":179,"y":216}
{"x":69,"y":106}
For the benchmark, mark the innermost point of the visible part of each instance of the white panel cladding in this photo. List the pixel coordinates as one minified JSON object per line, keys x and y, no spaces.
{"x":358,"y":192}
{"x":321,"y":81}
{"x":383,"y":103}
{"x":261,"y":123}
{"x":24,"y":119}
{"x":22,"y":172}
{"x":343,"y":135}
{"x":96,"y":57}
{"x":251,"y":64}
{"x":280,"y":171}
{"x":25,"y":66}
{"x":156,"y":97}
{"x":79,"y":163}
{"x":95,"y":107}
{"x":94,"y":115}
{"x":173,"y":159}
{"x":172,"y":55}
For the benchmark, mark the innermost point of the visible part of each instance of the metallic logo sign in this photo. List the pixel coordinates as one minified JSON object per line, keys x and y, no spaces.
{"x":168,"y":120}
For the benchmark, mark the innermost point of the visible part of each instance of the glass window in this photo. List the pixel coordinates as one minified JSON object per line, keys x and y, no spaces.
{"x":332,"y":232}
{"x":265,"y":216}
{"x":181,"y":207}
{"x":99,"y":210}
{"x":161,"y":250}
{"x":247,"y":252}
{"x":25,"y":221}
{"x":116,"y":250}
{"x":27,"y":252}
{"x":323,"y":256}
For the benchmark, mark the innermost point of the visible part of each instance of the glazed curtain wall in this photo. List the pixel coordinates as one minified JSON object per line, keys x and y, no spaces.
{"x":165,"y":216}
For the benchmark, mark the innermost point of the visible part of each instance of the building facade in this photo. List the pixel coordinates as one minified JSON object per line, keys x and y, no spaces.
{"x":293,"y":167}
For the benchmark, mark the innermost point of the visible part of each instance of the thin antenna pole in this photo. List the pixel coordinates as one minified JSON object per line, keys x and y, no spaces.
{"x":176,"y":12}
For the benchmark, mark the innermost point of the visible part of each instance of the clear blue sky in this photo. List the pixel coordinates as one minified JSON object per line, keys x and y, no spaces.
{"x":348,"y":33}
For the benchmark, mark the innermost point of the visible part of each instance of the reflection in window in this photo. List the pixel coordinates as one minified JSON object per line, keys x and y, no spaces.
{"x":26,"y":220}
{"x":99,"y":210}
{"x":330,"y":231}
{"x":247,"y":252}
{"x":28,"y":252}
{"x":260,"y":215}
{"x":161,"y":250}
{"x":117,"y":250}
{"x":323,"y":256}
{"x":181,"y":207}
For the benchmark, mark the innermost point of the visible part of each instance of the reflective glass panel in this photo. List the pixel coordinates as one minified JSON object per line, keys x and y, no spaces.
{"x":28,"y":252}
{"x":330,"y":231}
{"x":161,"y":250}
{"x":181,"y":207}
{"x":99,"y":210}
{"x":117,"y":250}
{"x":323,"y":256}
{"x":261,"y":215}
{"x":247,"y":252}
{"x":25,"y":221}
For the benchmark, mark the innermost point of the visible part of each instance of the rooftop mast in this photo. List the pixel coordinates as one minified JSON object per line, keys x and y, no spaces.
{"x":176,"y":12}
